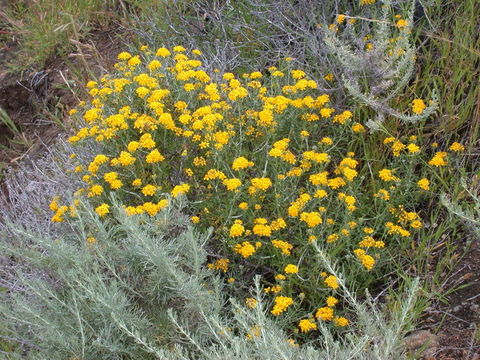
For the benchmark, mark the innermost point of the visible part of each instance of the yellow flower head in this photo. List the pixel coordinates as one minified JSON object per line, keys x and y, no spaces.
{"x":457,"y":147}
{"x":237,"y":229}
{"x":243,"y":206}
{"x":163,"y":52}
{"x":341,"y":321}
{"x":439,"y":159}
{"x":387,"y":175}
{"x":290,"y":269}
{"x":251,"y":302}
{"x":307,"y":325}
{"x":424,"y":184}
{"x":331,"y":281}
{"x":149,"y":190}
{"x":261,"y":183}
{"x":281,"y":303}
{"x":232,"y":184}
{"x":195,"y":219}
{"x":102,"y":209}
{"x":324,"y":313}
{"x":154,"y":157}
{"x":418,"y":106}
{"x":284,"y":246}
{"x":180,"y":190}
{"x":331,"y":301}
{"x":241,"y":163}
{"x":246,"y":249}
{"x":91,"y":240}
{"x":124,"y":56}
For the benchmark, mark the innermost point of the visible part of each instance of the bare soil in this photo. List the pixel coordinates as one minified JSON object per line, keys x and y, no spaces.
{"x":455,"y":322}
{"x":37,"y":101}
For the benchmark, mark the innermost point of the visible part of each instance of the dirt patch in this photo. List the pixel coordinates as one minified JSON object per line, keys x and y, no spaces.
{"x":37,"y":102}
{"x":456,"y":322}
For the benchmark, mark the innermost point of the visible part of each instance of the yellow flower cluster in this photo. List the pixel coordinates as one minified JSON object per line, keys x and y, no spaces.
{"x":325,"y":313}
{"x":180,"y":189}
{"x":291,"y":269}
{"x":220,"y":264}
{"x":245,"y":249}
{"x":284,"y":246}
{"x":417,"y":105}
{"x":262,"y":157}
{"x":241,"y":163}
{"x":331,"y":281}
{"x":457,"y":147}
{"x":60,"y":211}
{"x":387,"y":175}
{"x":102,"y":209}
{"x":307,"y":325}
{"x":439,"y":159}
{"x":424,"y":184}
{"x":251,"y":302}
{"x":281,"y":303}
{"x":237,"y":229}
{"x":367,"y":260}
{"x":397,"y":146}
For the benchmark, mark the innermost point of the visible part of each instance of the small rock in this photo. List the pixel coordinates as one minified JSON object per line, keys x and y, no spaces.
{"x":424,"y":340}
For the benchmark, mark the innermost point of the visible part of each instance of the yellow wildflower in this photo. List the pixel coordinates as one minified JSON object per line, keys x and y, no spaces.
{"x":324,"y":313}
{"x":402,"y":23}
{"x":418,"y":106}
{"x":232,"y":184}
{"x":311,"y":218}
{"x":290,"y":269}
{"x":331,"y":281}
{"x":413,"y":148}
{"x":307,"y":325}
{"x":424,"y":184}
{"x":261,"y":183}
{"x":332,"y":301}
{"x":91,"y":240}
{"x":457,"y":147}
{"x":102,"y":209}
{"x":281,"y":304}
{"x":245,"y":249}
{"x":341,"y":321}
{"x":284,"y":246}
{"x":243,"y":206}
{"x":180,"y":189}
{"x":387,"y":175}
{"x":195,"y":219}
{"x":438,"y":159}
{"x":149,"y":190}
{"x":241,"y":163}
{"x":237,"y":229}
{"x":251,"y":302}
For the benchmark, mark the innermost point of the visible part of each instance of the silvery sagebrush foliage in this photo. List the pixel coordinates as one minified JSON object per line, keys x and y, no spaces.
{"x":29,"y":188}
{"x":470,"y":215}
{"x":141,"y":290}
{"x":374,"y":74}
{"x":66,"y":297}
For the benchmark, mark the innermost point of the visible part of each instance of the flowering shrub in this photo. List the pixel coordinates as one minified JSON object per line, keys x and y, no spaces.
{"x":266,"y":160}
